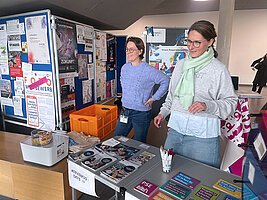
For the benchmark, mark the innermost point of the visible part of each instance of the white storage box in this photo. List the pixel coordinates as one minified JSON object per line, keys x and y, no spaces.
{"x":47,"y":155}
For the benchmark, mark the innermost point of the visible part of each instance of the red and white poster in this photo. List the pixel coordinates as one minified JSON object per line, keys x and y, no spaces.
{"x":32,"y":111}
{"x":41,"y":110}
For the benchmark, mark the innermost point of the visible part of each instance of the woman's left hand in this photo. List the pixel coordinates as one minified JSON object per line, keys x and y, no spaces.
{"x":197,"y":107}
{"x":150,"y":102}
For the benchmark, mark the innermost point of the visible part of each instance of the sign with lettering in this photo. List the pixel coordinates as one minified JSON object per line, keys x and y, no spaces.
{"x":81,"y":179}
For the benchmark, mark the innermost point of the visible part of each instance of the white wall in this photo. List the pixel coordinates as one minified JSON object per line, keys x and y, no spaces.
{"x":249,"y":35}
{"x":249,"y":42}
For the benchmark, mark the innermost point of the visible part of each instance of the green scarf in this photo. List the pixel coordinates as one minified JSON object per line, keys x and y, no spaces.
{"x":185,"y":90}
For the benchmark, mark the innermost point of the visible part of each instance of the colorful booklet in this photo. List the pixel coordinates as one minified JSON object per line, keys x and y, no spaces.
{"x":145,"y":187}
{"x":206,"y":193}
{"x":175,"y":189}
{"x":228,"y":188}
{"x":159,"y":195}
{"x":120,"y":151}
{"x":119,"y":171}
{"x":142,"y":158}
{"x":98,"y":161}
{"x":81,"y":155}
{"x":185,"y":180}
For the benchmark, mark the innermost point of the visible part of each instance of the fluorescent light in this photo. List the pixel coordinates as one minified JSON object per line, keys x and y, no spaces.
{"x":200,"y":0}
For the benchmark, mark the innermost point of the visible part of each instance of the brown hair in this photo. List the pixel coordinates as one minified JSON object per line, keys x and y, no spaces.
{"x":138,"y":43}
{"x":207,"y":30}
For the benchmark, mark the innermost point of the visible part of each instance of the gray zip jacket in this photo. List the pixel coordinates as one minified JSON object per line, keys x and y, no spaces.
{"x":213,"y":86}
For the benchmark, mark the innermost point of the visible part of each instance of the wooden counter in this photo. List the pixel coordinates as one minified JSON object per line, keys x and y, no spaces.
{"x":26,"y":181}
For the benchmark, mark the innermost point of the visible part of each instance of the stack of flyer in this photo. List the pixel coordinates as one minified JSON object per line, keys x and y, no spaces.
{"x":119,"y":171}
{"x":117,"y":150}
{"x":92,"y":158}
{"x":142,"y":158}
{"x":98,"y":161}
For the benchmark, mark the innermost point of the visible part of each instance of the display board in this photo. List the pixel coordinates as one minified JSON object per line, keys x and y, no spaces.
{"x":49,"y":68}
{"x":27,"y":76}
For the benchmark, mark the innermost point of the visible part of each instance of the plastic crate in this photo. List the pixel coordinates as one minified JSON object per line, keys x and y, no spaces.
{"x":95,"y":120}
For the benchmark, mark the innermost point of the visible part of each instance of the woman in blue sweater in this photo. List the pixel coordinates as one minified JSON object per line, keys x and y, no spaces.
{"x":137,"y":80}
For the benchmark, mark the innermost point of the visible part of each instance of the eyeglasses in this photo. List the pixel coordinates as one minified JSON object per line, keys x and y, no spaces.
{"x":195,"y":43}
{"x":131,"y":50}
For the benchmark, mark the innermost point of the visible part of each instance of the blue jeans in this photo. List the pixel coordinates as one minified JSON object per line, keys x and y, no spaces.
{"x":138,"y":120}
{"x":204,"y":150}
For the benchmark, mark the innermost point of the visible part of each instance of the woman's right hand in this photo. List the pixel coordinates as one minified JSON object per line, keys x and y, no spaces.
{"x":157,"y":120}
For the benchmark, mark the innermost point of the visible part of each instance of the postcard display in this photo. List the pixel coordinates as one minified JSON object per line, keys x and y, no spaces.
{"x":48,"y":69}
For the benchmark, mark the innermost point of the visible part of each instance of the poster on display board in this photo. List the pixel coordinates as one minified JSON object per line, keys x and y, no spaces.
{"x":6,"y":92}
{"x":101,"y":77}
{"x":67,"y":95}
{"x":3,"y":50}
{"x":85,"y":36}
{"x":165,"y":58}
{"x":166,"y":47}
{"x":111,"y":53}
{"x":82,"y":66}
{"x":101,"y":46}
{"x":37,"y":42}
{"x":87,"y":91}
{"x":39,"y":99}
{"x":66,"y":46}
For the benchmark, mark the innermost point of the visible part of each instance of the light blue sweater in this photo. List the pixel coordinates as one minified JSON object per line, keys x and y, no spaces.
{"x":137,"y":85}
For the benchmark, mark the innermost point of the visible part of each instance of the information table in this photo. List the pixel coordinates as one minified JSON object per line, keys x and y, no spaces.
{"x":152,"y":172}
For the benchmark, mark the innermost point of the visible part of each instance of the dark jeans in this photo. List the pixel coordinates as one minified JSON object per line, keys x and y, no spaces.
{"x":138,"y":120}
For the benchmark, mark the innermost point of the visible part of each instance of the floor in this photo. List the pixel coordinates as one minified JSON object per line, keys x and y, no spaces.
{"x":156,"y":137}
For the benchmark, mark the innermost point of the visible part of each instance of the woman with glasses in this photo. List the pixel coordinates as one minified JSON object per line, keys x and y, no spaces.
{"x":200,"y":95}
{"x":137,"y":80}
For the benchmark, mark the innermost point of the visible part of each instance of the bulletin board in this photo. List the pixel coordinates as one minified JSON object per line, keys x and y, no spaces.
{"x":27,"y":76}
{"x":50,"y":67}
{"x":75,"y":53}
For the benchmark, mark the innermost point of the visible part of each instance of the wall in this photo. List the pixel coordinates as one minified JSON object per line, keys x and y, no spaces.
{"x":249,"y":40}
